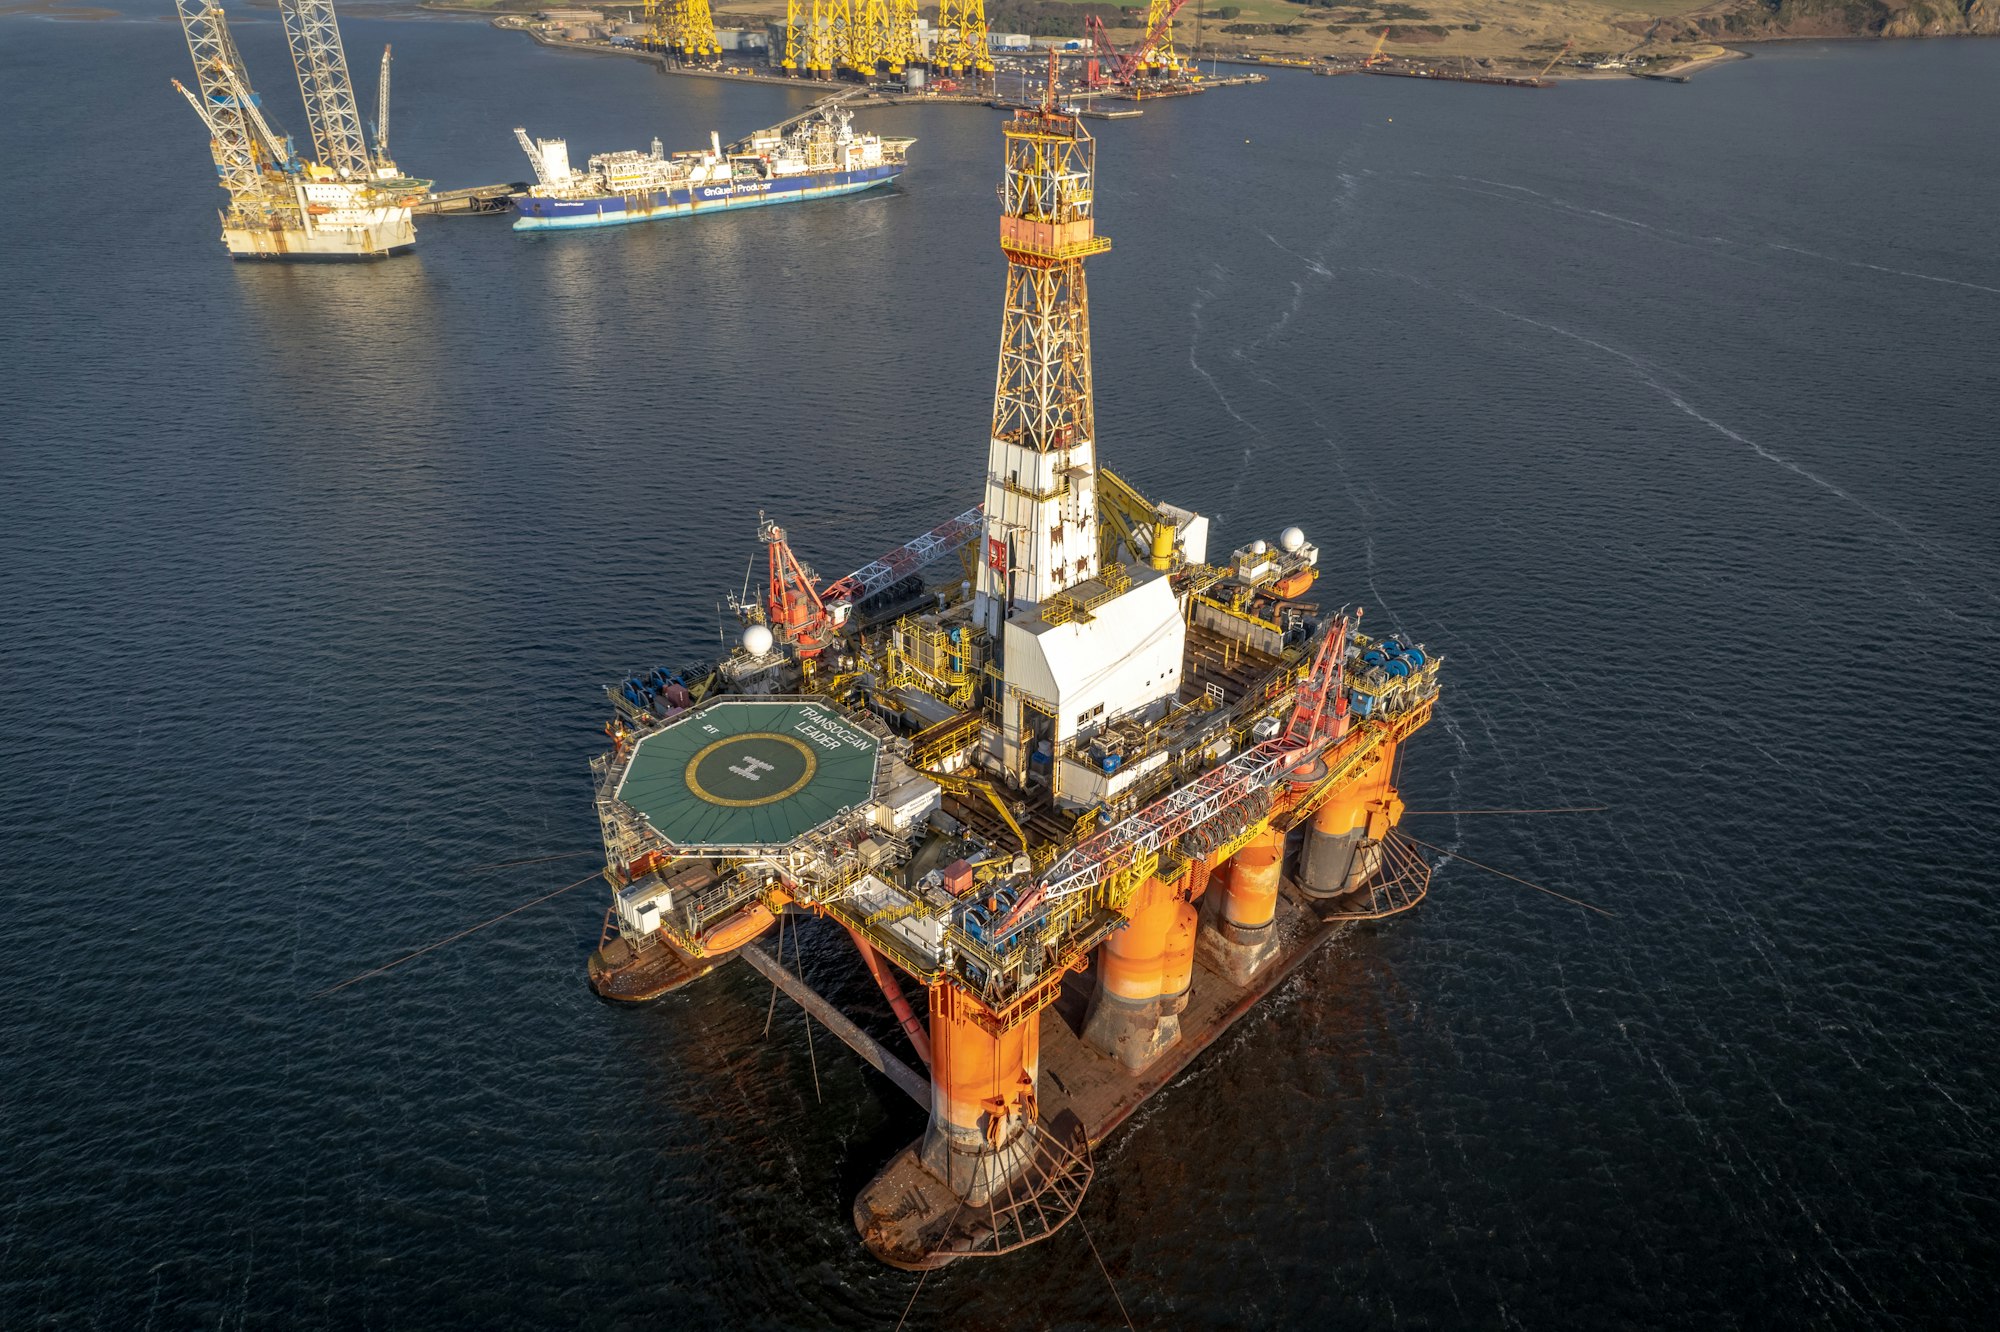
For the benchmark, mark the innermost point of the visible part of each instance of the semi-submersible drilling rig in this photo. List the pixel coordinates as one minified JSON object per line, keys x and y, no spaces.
{"x":1052,"y":787}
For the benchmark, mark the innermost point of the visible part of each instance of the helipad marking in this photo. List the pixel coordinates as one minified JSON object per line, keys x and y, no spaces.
{"x":750,"y":768}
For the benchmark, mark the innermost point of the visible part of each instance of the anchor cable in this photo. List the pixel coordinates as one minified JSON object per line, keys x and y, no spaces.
{"x":1515,"y":878}
{"x":427,"y":948}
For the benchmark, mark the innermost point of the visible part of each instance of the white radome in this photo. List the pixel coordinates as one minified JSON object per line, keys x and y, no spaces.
{"x":1259,"y":546}
{"x":757,"y":640}
{"x":1292,"y":539}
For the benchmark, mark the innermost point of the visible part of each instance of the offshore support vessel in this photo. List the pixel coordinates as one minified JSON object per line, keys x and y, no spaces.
{"x":816,"y":158}
{"x":1056,"y":787}
{"x":352,"y":203}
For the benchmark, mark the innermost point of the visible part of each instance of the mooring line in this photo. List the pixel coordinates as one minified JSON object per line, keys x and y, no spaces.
{"x":427,"y":948}
{"x":772,"y":1011}
{"x":1570,"y":809}
{"x":1107,"y":1272}
{"x":1514,"y":877}
{"x":533,"y":860}
{"x":799,"y":961}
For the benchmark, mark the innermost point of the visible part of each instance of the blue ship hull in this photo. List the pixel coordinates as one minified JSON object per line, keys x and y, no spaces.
{"x":610,"y":210}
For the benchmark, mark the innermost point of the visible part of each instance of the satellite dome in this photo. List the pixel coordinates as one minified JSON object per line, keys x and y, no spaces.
{"x":1259,"y":546}
{"x":757,"y":640}
{"x":1292,"y":539}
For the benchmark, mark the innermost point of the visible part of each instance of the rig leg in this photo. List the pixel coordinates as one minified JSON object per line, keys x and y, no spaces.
{"x":1243,"y":936}
{"x":1344,"y":848}
{"x":1133,"y":1017}
{"x":982,"y":1098}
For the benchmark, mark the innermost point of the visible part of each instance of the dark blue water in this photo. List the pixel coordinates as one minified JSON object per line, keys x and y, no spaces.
{"x":1667,"y":413}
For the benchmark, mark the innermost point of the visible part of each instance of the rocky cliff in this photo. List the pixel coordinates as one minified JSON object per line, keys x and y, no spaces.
{"x":1838,"y":18}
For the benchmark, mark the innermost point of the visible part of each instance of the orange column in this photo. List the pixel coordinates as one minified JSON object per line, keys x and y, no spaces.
{"x":982,"y":1095}
{"x":1133,"y":960}
{"x":1177,"y":965}
{"x":1251,"y":902}
{"x":1242,"y":936}
{"x":1340,"y":854}
{"x":1142,"y":971}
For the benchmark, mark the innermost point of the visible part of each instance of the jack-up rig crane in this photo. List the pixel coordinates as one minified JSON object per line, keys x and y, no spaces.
{"x":346,"y":203}
{"x":1056,"y":794}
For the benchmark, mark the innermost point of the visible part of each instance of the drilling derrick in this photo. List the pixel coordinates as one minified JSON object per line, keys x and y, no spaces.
{"x":683,"y":27}
{"x":1041,"y":513}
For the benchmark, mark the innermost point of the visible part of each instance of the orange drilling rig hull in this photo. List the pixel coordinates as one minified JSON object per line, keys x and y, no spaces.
{"x":1091,"y":789}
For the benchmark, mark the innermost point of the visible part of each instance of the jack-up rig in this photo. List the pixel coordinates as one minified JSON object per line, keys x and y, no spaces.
{"x":1055,"y":793}
{"x":352,"y":203}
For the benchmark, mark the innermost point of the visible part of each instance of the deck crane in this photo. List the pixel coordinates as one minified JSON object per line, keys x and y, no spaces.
{"x":806,"y":615}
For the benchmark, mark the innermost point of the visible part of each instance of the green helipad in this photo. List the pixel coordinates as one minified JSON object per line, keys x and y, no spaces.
{"x":749,"y":772}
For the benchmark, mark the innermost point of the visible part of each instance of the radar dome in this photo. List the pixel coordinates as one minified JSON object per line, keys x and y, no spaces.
{"x":1292,"y":539}
{"x":1259,"y":546}
{"x":757,"y":640}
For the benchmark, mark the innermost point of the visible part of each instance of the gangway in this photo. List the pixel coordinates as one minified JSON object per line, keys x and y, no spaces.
{"x":823,"y":104}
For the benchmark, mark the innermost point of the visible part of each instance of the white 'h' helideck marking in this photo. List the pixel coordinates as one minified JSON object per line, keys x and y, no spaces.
{"x":751,"y":769}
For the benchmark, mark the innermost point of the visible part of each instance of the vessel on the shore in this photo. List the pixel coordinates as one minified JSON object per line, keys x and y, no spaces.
{"x":353,"y":202}
{"x":1054,"y":782}
{"x":818,"y":158}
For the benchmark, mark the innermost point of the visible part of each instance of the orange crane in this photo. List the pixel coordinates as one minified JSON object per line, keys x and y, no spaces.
{"x":1376,"y":57}
{"x":1557,"y":56}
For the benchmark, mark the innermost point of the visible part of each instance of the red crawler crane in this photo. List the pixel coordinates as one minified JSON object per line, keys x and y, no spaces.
{"x":1125,"y":65}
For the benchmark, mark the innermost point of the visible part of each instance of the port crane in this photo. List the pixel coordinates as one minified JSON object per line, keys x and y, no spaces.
{"x":1544,"y":72}
{"x":1376,"y":57}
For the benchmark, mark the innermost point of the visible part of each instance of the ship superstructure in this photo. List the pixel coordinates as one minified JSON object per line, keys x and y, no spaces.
{"x":1051,"y":782}
{"x":815,"y":158}
{"x":350,"y":203}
